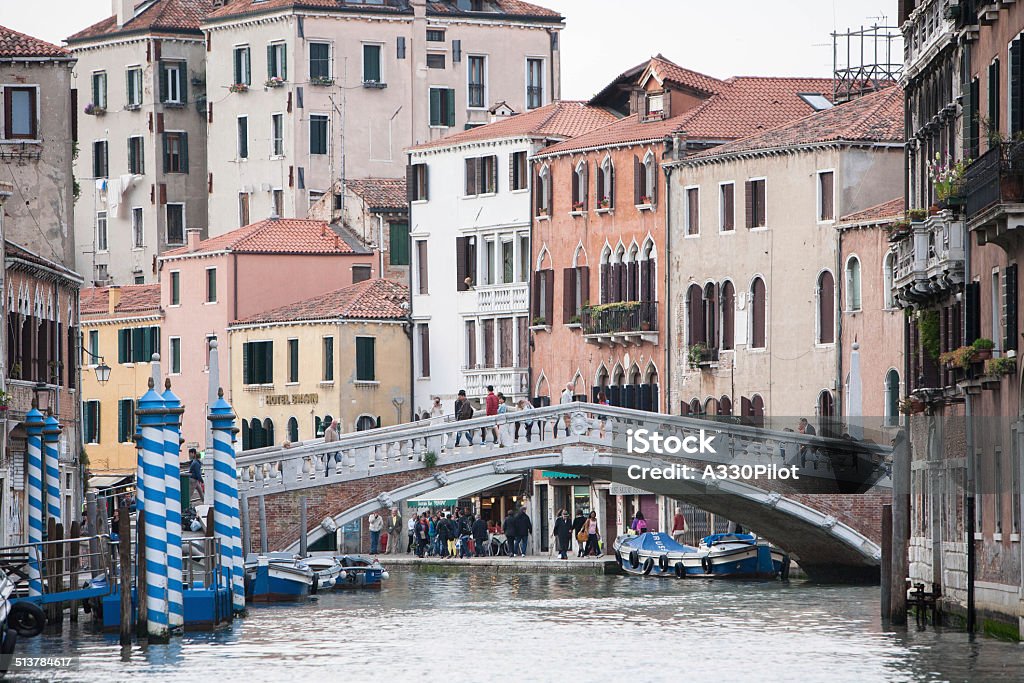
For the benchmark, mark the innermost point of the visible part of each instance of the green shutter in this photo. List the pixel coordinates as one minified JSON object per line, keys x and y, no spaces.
{"x":365,"y":359}
{"x":167,"y":160}
{"x":270,"y":61}
{"x":184,"y":152}
{"x":163,"y":81}
{"x":247,"y":363}
{"x":293,"y":360}
{"x":123,"y":343}
{"x":398,"y":244}
{"x":435,"y":107}
{"x":183,"y":82}
{"x":284,"y":63}
{"x":128,"y":86}
{"x":371,"y":64}
{"x":122,"y":422}
{"x":268,"y":352}
{"x":451,"y":108}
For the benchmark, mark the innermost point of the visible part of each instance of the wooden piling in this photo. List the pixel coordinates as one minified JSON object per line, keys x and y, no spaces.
{"x":142,"y":620}
{"x":73,"y":566}
{"x":125,"y":552}
{"x":263,"y":525}
{"x":886,"y":573}
{"x":243,"y":514}
{"x":901,"y":456}
{"x":303,"y":509}
{"x":92,"y":530}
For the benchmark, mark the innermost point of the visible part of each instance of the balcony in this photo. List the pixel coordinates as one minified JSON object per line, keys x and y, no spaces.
{"x":994,"y":194}
{"x":512,"y":382}
{"x":700,"y":356}
{"x":927,"y":31}
{"x":511,"y":298}
{"x":621,"y":323}
{"x":929,"y":260}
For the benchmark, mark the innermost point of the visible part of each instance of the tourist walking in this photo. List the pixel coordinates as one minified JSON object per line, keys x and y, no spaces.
{"x":465,"y":531}
{"x":197,"y":494}
{"x":491,"y":405}
{"x":332,"y":432}
{"x":463,"y":411}
{"x":479,"y":531}
{"x":565,"y":399}
{"x":639,"y":524}
{"x":413,"y":521}
{"x":524,"y":527}
{"x":376,"y":523}
{"x":509,"y":526}
{"x":563,"y":533}
{"x":602,"y":399}
{"x":395,"y":531}
{"x":679,"y":526}
{"x":593,"y":535}
{"x":422,"y":529}
{"x":522,"y":417}
{"x":577,"y":526}
{"x":501,"y":431}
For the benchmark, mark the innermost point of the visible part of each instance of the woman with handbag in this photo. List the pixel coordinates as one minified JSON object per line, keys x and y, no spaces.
{"x":593,"y":535}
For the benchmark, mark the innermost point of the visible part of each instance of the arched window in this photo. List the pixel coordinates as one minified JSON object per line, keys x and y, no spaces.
{"x":758,"y":314}
{"x":888,"y":270}
{"x":711,"y":315}
{"x":711,"y":406}
{"x":606,"y":184}
{"x":293,"y":429}
{"x":365,"y":422}
{"x":246,"y":445}
{"x":757,"y":410}
{"x":649,"y":389}
{"x":542,"y":192}
{"x":600,"y":384}
{"x":579,"y":186}
{"x":607,"y":268}
{"x":633,"y":273}
{"x":892,"y":397}
{"x":620,"y":275}
{"x":632,"y":388}
{"x":826,"y":295}
{"x":695,"y":407}
{"x":826,"y":404}
{"x":695,"y":316}
{"x":728,"y":315}
{"x":255,"y":434}
{"x":268,"y":432}
{"x":649,"y":271}
{"x":725,"y":406}
{"x":853,"y":284}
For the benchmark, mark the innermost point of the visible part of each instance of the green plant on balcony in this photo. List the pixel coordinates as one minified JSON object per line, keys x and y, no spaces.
{"x":1001,"y":366}
{"x":917,"y":215}
{"x":958,"y":358}
{"x":928,"y":328}
{"x":538,"y":321}
{"x":911,"y":405}
{"x":238,"y":87}
{"x":947,"y":176}
{"x":983,"y":349}
{"x":575,"y":320}
{"x":321,"y":80}
{"x":5,"y":400}
{"x":696,"y":354}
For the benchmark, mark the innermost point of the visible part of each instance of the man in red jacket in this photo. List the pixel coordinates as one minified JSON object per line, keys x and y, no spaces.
{"x":491,"y":404}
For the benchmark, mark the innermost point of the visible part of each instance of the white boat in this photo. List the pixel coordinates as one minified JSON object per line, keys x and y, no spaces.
{"x":328,"y":571}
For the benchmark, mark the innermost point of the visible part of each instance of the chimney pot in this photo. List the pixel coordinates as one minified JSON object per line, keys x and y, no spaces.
{"x":124,"y":10}
{"x":113,"y":299}
{"x":192,"y":237}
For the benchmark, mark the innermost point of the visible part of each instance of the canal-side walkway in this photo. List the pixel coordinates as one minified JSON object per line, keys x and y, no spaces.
{"x":534,"y":564}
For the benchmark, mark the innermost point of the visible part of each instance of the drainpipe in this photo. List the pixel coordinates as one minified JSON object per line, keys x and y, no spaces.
{"x":969,"y":507}
{"x":380,"y":246}
{"x":668,"y":290}
{"x":840,"y":387}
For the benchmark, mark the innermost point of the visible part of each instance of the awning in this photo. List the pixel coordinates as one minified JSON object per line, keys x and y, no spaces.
{"x":449,"y":495}
{"x":105,"y":481}
{"x":558,"y":475}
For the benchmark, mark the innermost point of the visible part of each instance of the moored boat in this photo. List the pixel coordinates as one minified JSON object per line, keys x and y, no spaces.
{"x":654,"y":553}
{"x":741,"y":556}
{"x":277,"y":577}
{"x":359,"y":571}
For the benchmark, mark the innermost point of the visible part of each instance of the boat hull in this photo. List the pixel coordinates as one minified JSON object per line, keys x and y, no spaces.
{"x":276,"y":582}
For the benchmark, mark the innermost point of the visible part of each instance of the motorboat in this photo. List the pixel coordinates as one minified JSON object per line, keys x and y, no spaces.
{"x":654,"y":553}
{"x":277,"y":577}
{"x":327,"y":570}
{"x":360,"y":571}
{"x":741,"y":556}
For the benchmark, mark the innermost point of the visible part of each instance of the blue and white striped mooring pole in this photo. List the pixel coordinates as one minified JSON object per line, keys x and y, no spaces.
{"x":172,"y":479}
{"x":225,"y":497}
{"x":151,"y":423}
{"x":51,"y":441}
{"x":34,"y":426}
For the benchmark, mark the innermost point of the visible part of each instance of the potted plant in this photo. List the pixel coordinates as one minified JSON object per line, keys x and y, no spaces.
{"x":430,"y":459}
{"x":645,"y":200}
{"x":911,"y":405}
{"x":982,"y":349}
{"x":1005,"y":365}
{"x":539,"y":321}
{"x":238,"y":87}
{"x":577,"y":206}
{"x":696,"y":355}
{"x":94,"y":110}
{"x":321,"y":80}
{"x":917,"y":215}
{"x":5,"y":401}
{"x":947,"y":178}
{"x":16,"y":371}
{"x":606,"y":203}
{"x":274,"y":82}
{"x":960,"y":358}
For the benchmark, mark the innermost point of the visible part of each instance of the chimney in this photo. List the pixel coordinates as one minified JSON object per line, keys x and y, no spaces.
{"x":124,"y":10}
{"x":113,"y":299}
{"x":192,"y":237}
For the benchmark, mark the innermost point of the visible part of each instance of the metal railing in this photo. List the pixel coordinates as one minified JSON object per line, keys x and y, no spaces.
{"x":996,"y":177}
{"x":62,"y":563}
{"x":621,"y":318}
{"x":201,"y":563}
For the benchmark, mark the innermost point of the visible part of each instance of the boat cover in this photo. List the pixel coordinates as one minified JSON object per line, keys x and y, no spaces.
{"x":728,"y":538}
{"x":654,"y":542}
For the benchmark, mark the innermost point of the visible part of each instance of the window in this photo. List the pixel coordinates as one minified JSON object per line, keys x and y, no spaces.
{"x":576,"y":285}
{"x":892,"y":398}
{"x":534,"y":83}
{"x":174,"y":348}
{"x":477,"y":81}
{"x":507,"y":261}
{"x":606,"y":184}
{"x":645,"y":181}
{"x":997,"y":310}
{"x":758,"y":314}
{"x":365,"y":362}
{"x":524,"y":257}
{"x":543,"y":297}
{"x":398,"y":243}
{"x":692,"y":211}
{"x":277,"y":135}
{"x":175,"y":152}
{"x":361,"y":272}
{"x":99,"y":89}
{"x":293,"y":429}
{"x":655,"y":106}
{"x":542,"y":192}
{"x":726,"y":207}
{"x":172,"y":82}
{"x":853,"y":284}
{"x":175,"y":224}
{"x":580,"y":186}
{"x":21,"y":113}
{"x":435,"y":35}
{"x":442,"y":107}
{"x":755,"y":195}
{"x":137,"y":344}
{"x":826,"y":295}
{"x":728,"y":297}
{"x":91,"y":421}
{"x":277,"y":196}
{"x":481,"y":175}
{"x":138,"y":235}
{"x":243,"y":137}
{"x":293,"y":361}
{"x":424,"y":349}
{"x":418,"y":185}
{"x":318,"y":133}
{"x":471,"y":344}
{"x":243,"y":65}
{"x":319,"y":61}
{"x":277,"y":61}
{"x":371,"y":64}
{"x":243,"y":209}
{"x":435,"y":60}
{"x":520,"y":168}
{"x":993,"y":95}
{"x":487,"y":262}
{"x":258,"y":362}
{"x":327,"y":360}
{"x":211,"y":285}
{"x":826,"y":196}
{"x":136,"y":155}
{"x":100,"y":160}
{"x":175,"y":288}
{"x":101,"y":231}
{"x":140,"y":279}
{"x":465,"y":263}
{"x":125,"y":420}
{"x":94,"y":347}
{"x":888,"y":273}
{"x":133,"y":92}
{"x":422,"y":281}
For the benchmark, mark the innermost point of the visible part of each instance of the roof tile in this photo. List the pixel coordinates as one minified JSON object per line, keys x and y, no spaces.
{"x":380,"y":193}
{"x":512,"y":8}
{"x":275,"y":236}
{"x":163,"y":16}
{"x":891,"y":210}
{"x":134,"y":299}
{"x":15,"y":44}
{"x":377,"y":299}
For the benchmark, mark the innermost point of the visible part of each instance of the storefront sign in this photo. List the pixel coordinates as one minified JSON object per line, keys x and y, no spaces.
{"x":623,"y":490}
{"x":292,"y":399}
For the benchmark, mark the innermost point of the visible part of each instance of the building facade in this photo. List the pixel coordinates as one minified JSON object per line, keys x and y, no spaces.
{"x":37,"y":133}
{"x":141,"y":163}
{"x":342,"y":356}
{"x":121,"y":328}
{"x":307,"y":97}
{"x":470,"y":246}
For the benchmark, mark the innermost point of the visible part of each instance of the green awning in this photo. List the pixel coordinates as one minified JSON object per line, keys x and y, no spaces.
{"x":449,"y":495}
{"x":558,"y":475}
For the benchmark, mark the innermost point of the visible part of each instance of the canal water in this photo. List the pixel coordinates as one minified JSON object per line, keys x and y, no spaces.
{"x":459,"y":626}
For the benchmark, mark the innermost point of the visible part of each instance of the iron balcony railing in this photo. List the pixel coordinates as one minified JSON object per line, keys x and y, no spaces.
{"x":996,"y":177}
{"x":626,"y":317}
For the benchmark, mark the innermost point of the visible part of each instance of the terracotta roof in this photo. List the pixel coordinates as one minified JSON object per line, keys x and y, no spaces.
{"x":134,"y":299}
{"x":880,"y":213}
{"x":556,"y":120}
{"x":368,"y":300}
{"x":276,"y":236}
{"x":162,"y":16}
{"x":16,"y":251}
{"x":15,"y":44}
{"x":877,"y":117}
{"x":741,"y":107}
{"x":503,"y":8}
{"x":671,"y":72}
{"x":380,"y":193}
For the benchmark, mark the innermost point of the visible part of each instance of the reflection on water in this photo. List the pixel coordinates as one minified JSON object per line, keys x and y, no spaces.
{"x":460,"y":626}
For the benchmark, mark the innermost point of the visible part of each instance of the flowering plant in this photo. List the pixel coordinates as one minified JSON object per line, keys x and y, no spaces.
{"x":274,"y":82}
{"x":577,"y":206}
{"x":645,"y":199}
{"x":94,"y":110}
{"x":239,"y":87}
{"x":947,"y":175}
{"x":605,"y":202}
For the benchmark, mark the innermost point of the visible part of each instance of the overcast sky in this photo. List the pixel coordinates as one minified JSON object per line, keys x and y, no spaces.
{"x":605,"y":37}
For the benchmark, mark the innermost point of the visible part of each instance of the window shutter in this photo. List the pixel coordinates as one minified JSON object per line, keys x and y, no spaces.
{"x":762,"y":209}
{"x":568,"y":294}
{"x":653,"y":189}
{"x":631,"y":279}
{"x":584,"y":280}
{"x":288,"y":106}
{"x":122,"y":347}
{"x":184,"y":152}
{"x":425,"y":349}
{"x":298,"y":97}
{"x":247,"y":363}
{"x":471,"y":173}
{"x":410,"y":183}
{"x":400,"y":47}
{"x":270,"y":61}
{"x":1010,"y":306}
{"x":1016,"y":87}
{"x":535,"y":294}
{"x":586,"y":185}
{"x":163,"y":193}
{"x":456,"y":51}
{"x":577,"y":176}
{"x":163,"y":81}
{"x":268,"y":353}
{"x":426,"y":182}
{"x":972,"y":312}
{"x":749,"y":190}
{"x":138,"y":346}
{"x":166,"y":158}
{"x":696,"y":317}
{"x":128,"y":86}
{"x":549,"y":295}
{"x":461,"y":244}
{"x":451,"y":108}
{"x":182,"y":82}
{"x":611,"y":186}
{"x":302,"y":178}
{"x":435,"y":107}
{"x":599,"y":185}
{"x":636,"y":179}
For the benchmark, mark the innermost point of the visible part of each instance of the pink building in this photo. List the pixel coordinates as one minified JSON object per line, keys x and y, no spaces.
{"x":207,"y":284}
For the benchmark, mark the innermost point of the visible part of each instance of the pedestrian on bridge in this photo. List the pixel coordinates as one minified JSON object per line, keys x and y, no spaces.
{"x":523,"y":406}
{"x":376,"y":523}
{"x":566,"y":398}
{"x":463,"y":411}
{"x":501,"y":431}
{"x":563,"y":533}
{"x":491,"y":405}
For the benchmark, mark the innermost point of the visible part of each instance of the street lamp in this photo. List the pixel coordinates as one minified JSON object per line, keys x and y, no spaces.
{"x":41,"y":391}
{"x":102,"y":370}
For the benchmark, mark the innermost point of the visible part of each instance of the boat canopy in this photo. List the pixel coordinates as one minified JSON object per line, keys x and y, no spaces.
{"x":656,"y":542}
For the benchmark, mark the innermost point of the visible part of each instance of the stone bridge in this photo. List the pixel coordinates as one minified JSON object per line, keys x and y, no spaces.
{"x":828,"y":518}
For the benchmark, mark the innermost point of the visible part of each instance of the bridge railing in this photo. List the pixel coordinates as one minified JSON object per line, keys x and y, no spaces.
{"x":410,"y":445}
